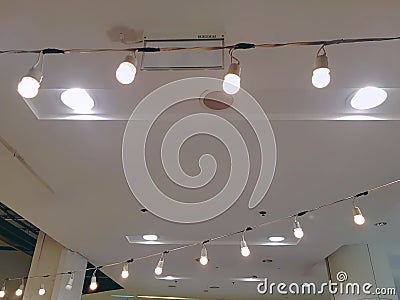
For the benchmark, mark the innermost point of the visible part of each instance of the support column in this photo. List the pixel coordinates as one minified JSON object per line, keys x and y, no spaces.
{"x":360,"y":264}
{"x":50,"y":257}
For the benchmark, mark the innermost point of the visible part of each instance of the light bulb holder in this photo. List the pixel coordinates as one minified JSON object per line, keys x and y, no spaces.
{"x":131,"y":59}
{"x":204,"y":251}
{"x":234,"y":68}
{"x":357,"y":211}
{"x":296,"y":225}
{"x":35,"y":73}
{"x":321,"y":61}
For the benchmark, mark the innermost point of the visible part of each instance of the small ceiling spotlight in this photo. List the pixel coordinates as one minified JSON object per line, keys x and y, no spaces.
{"x":276,"y":239}
{"x":321,"y":74}
{"x":126,"y":71}
{"x":29,"y":85}
{"x":204,"y":256}
{"x":358,"y":216}
{"x":150,"y":237}
{"x":77,"y":99}
{"x":3,"y":290}
{"x":231,"y":83}
{"x":368,"y":97}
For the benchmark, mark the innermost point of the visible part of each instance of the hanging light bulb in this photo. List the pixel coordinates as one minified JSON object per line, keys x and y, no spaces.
{"x":204,"y":256}
{"x":159,"y":269}
{"x":298,"y":231}
{"x":231,"y":84}
{"x":125,"y":271}
{"x":20,"y":290}
{"x":126,"y":71}
{"x":3,"y":290}
{"x":243,"y":247}
{"x":358,"y":217}
{"x":321,"y":74}
{"x":93,"y":282}
{"x":42,"y":290}
{"x":29,"y":85}
{"x":68,"y":286}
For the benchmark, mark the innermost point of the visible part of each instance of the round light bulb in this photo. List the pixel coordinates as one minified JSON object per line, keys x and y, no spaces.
{"x":18,"y":292}
{"x":93,"y":286}
{"x":28,"y":87}
{"x":124,"y":274}
{"x":158,"y":271}
{"x":126,"y":72}
{"x":42,"y":290}
{"x":321,"y":77}
{"x":358,"y":217}
{"x":298,"y":233}
{"x":245,"y":251}
{"x":68,"y":287}
{"x":204,"y":260}
{"x":2,"y":293}
{"x":231,"y":83}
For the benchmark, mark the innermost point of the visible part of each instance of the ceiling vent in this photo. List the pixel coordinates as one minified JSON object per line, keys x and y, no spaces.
{"x":183,"y":60}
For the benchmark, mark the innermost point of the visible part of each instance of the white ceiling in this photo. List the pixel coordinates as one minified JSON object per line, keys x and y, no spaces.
{"x":318,"y":160}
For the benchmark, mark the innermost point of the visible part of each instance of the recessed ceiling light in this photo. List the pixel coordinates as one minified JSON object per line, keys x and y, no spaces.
{"x":380,"y":224}
{"x":276,"y":239}
{"x":77,"y":99}
{"x":150,"y":237}
{"x":368,"y":97}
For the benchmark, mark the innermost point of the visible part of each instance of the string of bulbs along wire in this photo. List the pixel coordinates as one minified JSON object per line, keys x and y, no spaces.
{"x":29,"y":85}
{"x":298,"y":232}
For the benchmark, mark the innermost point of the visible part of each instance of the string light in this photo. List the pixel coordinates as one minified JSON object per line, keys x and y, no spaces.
{"x":244,"y":250}
{"x":3,"y":290}
{"x":160,"y":264}
{"x":321,"y":74}
{"x":42,"y":290}
{"x":29,"y":85}
{"x":204,"y":255}
{"x":159,"y":269}
{"x":70,"y":282}
{"x":298,"y":231}
{"x":20,"y":290}
{"x":126,"y":71}
{"x":231,"y":84}
{"x":125,"y":271}
{"x":93,"y":282}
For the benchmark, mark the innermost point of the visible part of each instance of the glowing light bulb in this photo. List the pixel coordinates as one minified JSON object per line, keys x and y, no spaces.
{"x":321,"y":75}
{"x":203,"y":256}
{"x":231,"y":84}
{"x":77,"y":99}
{"x":298,"y":231}
{"x":29,"y":85}
{"x":70,"y":282}
{"x":20,"y":290}
{"x":244,"y":250}
{"x":358,"y":217}
{"x":42,"y":290}
{"x":126,"y":71}
{"x":125,"y":271}
{"x":93,"y":282}
{"x":159,"y":269}
{"x":3,"y":291}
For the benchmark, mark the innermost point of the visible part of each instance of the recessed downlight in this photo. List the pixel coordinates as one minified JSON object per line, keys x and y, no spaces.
{"x":77,"y":99}
{"x":368,"y":97}
{"x":150,"y":237}
{"x":276,"y":239}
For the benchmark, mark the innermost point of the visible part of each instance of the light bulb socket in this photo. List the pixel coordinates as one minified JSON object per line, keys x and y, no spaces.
{"x":321,"y":61}
{"x":357,"y":211}
{"x":234,"y":68}
{"x":125,"y":267}
{"x":131,"y":59}
{"x":296,"y":225}
{"x":204,"y":251}
{"x":36,"y":74}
